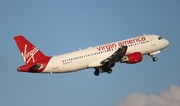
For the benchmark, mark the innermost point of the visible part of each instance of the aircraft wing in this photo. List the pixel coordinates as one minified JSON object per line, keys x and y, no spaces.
{"x":116,"y":55}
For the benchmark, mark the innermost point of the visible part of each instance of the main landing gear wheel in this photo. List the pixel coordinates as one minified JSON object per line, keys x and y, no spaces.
{"x":109,"y":71}
{"x":96,"y":72}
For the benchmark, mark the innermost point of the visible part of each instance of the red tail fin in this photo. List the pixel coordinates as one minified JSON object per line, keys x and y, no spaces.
{"x":29,"y":52}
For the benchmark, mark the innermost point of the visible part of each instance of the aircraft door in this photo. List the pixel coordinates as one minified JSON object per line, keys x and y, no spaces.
{"x":54,"y":65}
{"x":153,"y":43}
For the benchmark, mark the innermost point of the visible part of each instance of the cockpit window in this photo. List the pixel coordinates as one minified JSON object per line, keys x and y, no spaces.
{"x":159,"y":38}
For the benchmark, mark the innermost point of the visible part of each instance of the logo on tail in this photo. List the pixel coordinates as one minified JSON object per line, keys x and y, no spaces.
{"x":29,"y":55}
{"x":29,"y":52}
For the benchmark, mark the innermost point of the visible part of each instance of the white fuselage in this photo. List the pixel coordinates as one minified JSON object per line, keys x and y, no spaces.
{"x":91,"y":57}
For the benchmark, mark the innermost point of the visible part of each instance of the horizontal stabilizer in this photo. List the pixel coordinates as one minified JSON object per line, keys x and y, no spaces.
{"x":32,"y":68}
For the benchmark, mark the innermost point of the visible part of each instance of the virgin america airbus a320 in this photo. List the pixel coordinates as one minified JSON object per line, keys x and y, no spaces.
{"x":102,"y":58}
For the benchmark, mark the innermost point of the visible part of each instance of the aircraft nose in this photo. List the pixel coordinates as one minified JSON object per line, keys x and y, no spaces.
{"x":166,"y":42}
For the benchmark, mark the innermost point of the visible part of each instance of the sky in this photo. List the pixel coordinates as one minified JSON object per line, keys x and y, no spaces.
{"x":62,"y":26}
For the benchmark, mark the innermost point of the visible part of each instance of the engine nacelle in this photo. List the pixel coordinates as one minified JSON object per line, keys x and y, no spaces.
{"x":133,"y":58}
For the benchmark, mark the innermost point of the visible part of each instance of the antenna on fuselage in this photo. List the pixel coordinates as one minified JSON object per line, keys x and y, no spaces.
{"x":144,"y":34}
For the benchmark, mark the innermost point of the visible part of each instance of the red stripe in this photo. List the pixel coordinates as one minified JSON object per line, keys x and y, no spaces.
{"x":37,"y":67}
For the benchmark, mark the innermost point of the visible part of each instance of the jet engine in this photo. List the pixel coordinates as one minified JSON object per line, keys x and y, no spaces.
{"x":133,"y":58}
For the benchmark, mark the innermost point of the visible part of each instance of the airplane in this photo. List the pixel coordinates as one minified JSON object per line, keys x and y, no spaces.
{"x":102,"y":58}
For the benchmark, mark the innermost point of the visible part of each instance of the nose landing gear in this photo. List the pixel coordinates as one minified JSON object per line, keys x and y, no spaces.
{"x":153,"y":58}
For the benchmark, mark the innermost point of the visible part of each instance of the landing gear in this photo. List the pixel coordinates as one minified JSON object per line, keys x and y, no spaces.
{"x":109,"y":71}
{"x":153,"y":58}
{"x":100,"y":70}
{"x":96,"y":72}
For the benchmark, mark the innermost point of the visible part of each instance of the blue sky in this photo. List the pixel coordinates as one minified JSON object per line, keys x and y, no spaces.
{"x":61,"y":26}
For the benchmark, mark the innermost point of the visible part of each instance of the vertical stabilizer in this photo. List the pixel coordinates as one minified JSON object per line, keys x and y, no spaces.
{"x":29,"y":52}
